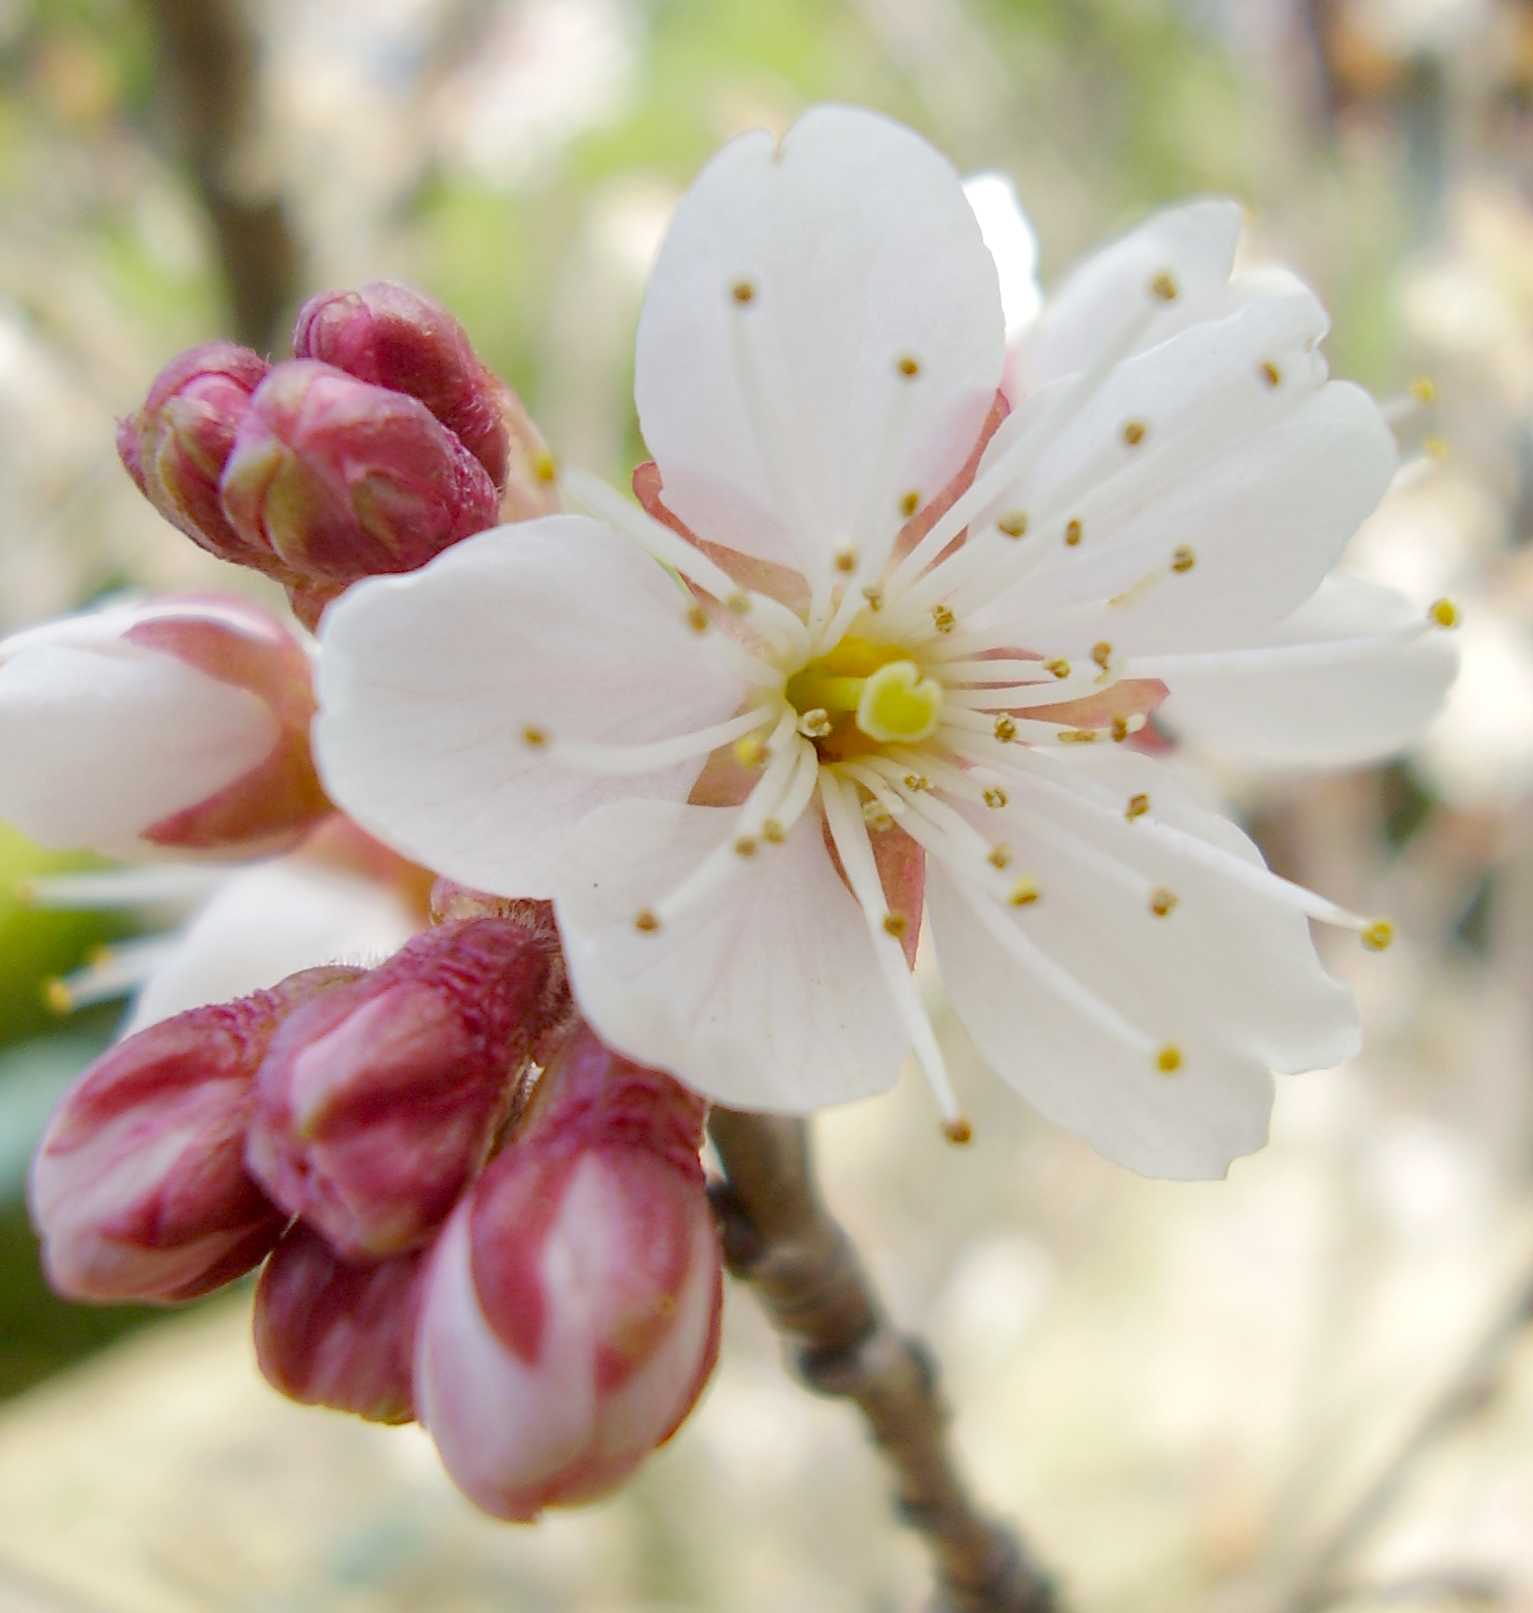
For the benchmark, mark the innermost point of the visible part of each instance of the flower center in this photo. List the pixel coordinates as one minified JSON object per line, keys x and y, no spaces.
{"x":863,"y":694}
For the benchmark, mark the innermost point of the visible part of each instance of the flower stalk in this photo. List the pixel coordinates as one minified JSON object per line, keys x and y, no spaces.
{"x":780,"y":1238}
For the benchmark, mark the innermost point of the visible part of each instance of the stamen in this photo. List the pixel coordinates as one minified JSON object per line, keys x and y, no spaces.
{"x":996,"y":797}
{"x":1162,"y":901}
{"x":1013,"y":525}
{"x":1137,"y":806}
{"x":771,"y":617}
{"x":1134,"y":432}
{"x":1182,"y":558}
{"x":896,"y":924}
{"x":846,"y":561}
{"x":909,"y":503}
{"x":113,"y":971}
{"x":533,"y":737}
{"x":850,"y":837}
{"x":908,"y":367}
{"x":1169,"y":1059}
{"x":1378,"y":935}
{"x":1074,"y":531}
{"x":1164,"y":286}
{"x":645,"y":921}
{"x":618,"y":760}
{"x":697,"y":618}
{"x":815,"y":723}
{"x":1270,"y":373}
{"x":943,"y":619}
{"x":168,"y":885}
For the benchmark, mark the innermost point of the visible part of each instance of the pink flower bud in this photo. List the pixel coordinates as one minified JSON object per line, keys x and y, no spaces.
{"x":175,"y":724}
{"x":139,"y":1189}
{"x":392,"y":336}
{"x":377,"y":1103}
{"x":176,"y":445}
{"x":570,"y":1313}
{"x":332,"y":479}
{"x":330,"y":1334}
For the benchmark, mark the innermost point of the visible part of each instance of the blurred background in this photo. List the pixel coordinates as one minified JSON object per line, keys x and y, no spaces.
{"x":1310,"y":1386}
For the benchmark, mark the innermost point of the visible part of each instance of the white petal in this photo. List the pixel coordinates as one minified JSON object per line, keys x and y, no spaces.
{"x":1101,"y":300}
{"x":1010,"y":240}
{"x":1229,"y":976}
{"x":764,"y":995}
{"x":267,"y":922}
{"x":429,"y":681}
{"x":1289,"y":701}
{"x":103,"y":739}
{"x":1263,"y":484}
{"x":783,"y":426}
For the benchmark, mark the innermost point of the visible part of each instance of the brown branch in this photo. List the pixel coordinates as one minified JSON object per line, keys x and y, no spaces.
{"x":211,"y":72}
{"x":779,"y":1237}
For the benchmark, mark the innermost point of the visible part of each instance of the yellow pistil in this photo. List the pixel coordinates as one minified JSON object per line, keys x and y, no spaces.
{"x":899,"y":705}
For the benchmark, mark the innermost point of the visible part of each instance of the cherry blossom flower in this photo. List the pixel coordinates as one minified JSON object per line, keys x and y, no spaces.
{"x":916,"y":631}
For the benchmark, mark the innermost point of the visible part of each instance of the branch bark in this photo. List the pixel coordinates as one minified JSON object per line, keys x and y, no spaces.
{"x":211,"y":71}
{"x":779,"y":1238}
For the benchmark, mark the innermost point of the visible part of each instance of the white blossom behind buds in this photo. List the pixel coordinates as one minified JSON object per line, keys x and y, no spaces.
{"x":172,"y":725}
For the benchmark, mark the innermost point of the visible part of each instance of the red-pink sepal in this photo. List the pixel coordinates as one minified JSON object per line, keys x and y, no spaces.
{"x":338,"y":1335}
{"x":176,"y":444}
{"x":332,"y":479}
{"x":570,"y":1314}
{"x":139,"y":1189}
{"x":273,"y":805}
{"x":375,"y":1105}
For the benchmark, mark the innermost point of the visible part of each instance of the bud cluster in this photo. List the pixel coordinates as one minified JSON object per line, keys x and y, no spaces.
{"x":522,"y":1257}
{"x":381,"y":442}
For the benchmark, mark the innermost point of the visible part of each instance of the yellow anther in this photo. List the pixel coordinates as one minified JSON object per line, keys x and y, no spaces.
{"x":1073,"y":533}
{"x":999,"y":857}
{"x":958,"y":1131}
{"x":1165,"y":287}
{"x":533,"y":737}
{"x":745,"y":846}
{"x":772,"y":832}
{"x":743,"y":292}
{"x":1378,"y":935}
{"x":1023,"y":894}
{"x":1120,"y":729}
{"x":739,"y":603}
{"x":1444,"y":613}
{"x":1137,"y":806}
{"x":877,"y":816}
{"x":750,"y":751}
{"x":895,"y":924}
{"x":1014,"y":525}
{"x":1058,"y":666}
{"x":1101,"y":653}
{"x":908,"y":366}
{"x":1270,"y":373}
{"x":846,"y":561}
{"x":1162,"y":901}
{"x":544,"y":468}
{"x":943,"y":619}
{"x":1182,"y":558}
{"x":1424,"y":390}
{"x":1133,"y":432}
{"x":1078,"y":736}
{"x":697,"y":619}
{"x":1005,"y":729}
{"x":996,"y":797}
{"x":645,"y":921}
{"x":815,"y":723}
{"x":56,"y":997}
{"x":910,"y":503}
{"x":899,"y":704}
{"x":916,"y":781}
{"x":1169,"y":1060}
{"x":874,"y":597}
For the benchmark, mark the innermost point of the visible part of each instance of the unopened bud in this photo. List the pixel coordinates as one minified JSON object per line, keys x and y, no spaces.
{"x":175,"y":446}
{"x":570,"y":1313}
{"x":394,"y":337}
{"x":332,"y":1334}
{"x":173,"y":724}
{"x":377,"y":1103}
{"x":332,"y":479}
{"x":139,"y":1189}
